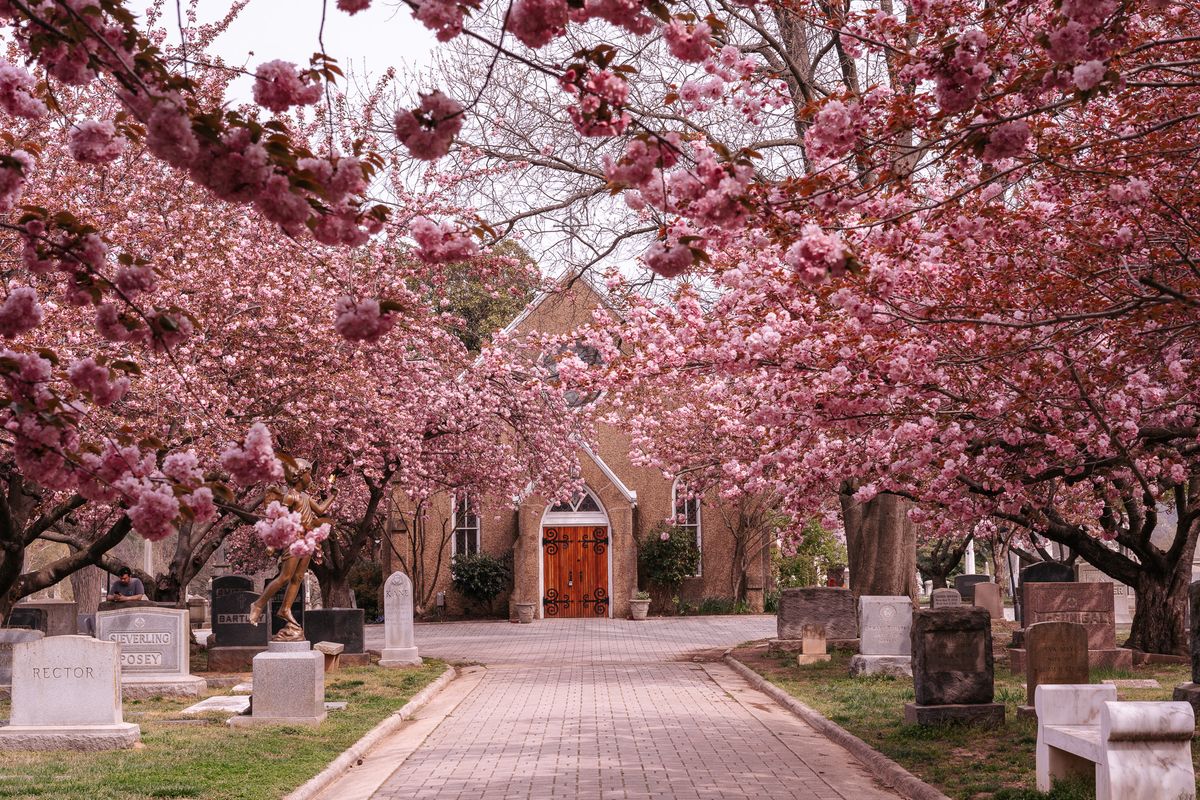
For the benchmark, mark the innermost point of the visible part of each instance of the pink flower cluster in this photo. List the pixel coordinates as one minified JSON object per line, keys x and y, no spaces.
{"x":1088,"y":75}
{"x":439,"y":244}
{"x":153,"y":507}
{"x":688,"y":42}
{"x":98,"y":381}
{"x":279,"y":85}
{"x":669,"y":260}
{"x":959,"y":78}
{"x":20,"y":312}
{"x":537,"y":22}
{"x":429,"y":130}
{"x":1007,"y":140}
{"x":443,"y":17}
{"x":834,"y":130}
{"x":602,"y":95}
{"x":95,"y":142}
{"x":361,"y":321}
{"x":816,"y":255}
{"x":281,"y":529}
{"x":254,"y":460}
{"x":16,"y":92}
{"x":353,"y":6}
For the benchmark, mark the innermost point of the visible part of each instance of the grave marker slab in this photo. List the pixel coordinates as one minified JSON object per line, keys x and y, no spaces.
{"x":812,"y":648}
{"x":61,"y":615}
{"x":965,"y":584}
{"x":1190,"y":692}
{"x":24,"y":617}
{"x":8,"y":638}
{"x":987,"y":596}
{"x":1087,"y":604}
{"x":1056,"y":652}
{"x":885,"y":646}
{"x":945,"y":598}
{"x":399,"y":648}
{"x":66,"y":695}
{"x":289,"y":686}
{"x":342,"y":625}
{"x":154,"y":650}
{"x":234,"y":641}
{"x":953,"y":677}
{"x":1122,"y":595}
{"x":832,"y":607}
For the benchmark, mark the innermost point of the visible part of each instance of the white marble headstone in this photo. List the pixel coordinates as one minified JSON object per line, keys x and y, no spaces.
{"x":885,"y":625}
{"x":66,"y":695}
{"x":398,"y":645}
{"x":155,"y":658}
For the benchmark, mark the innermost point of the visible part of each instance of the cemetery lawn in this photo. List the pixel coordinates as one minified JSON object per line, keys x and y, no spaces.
{"x":965,"y":764}
{"x":205,"y":758}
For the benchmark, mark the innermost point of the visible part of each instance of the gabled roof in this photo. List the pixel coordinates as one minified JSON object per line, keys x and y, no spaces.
{"x":629,"y":494}
{"x":543,"y":294}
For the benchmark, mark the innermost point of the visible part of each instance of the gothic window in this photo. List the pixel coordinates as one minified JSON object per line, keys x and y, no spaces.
{"x":465,"y":541}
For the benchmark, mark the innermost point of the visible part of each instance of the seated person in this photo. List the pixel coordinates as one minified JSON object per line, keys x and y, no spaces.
{"x":126,"y":588}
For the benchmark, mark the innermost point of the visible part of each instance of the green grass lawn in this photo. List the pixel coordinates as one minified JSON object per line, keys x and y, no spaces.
{"x":966,"y":764}
{"x":205,"y":758}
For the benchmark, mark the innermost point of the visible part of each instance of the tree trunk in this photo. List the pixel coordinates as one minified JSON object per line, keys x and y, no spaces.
{"x":86,"y":584}
{"x":335,"y":590}
{"x":881,"y":543}
{"x":937,"y":581}
{"x":1160,"y":621}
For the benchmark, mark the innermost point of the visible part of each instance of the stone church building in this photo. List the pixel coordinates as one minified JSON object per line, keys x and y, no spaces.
{"x":579,"y":559}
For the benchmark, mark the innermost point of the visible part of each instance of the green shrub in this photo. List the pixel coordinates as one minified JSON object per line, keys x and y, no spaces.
{"x":365,"y":578}
{"x":771,"y":602}
{"x":817,"y":551}
{"x":480,"y":577}
{"x":716,"y":605}
{"x":667,"y":556}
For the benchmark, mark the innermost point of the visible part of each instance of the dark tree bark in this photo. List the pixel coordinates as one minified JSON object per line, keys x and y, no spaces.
{"x":348,"y":542}
{"x":881,"y":543}
{"x":939,"y":558}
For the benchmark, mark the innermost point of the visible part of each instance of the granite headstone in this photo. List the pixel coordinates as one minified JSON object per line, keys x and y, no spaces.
{"x":231,"y":600}
{"x":987,"y":596}
{"x":155,"y":645}
{"x":953,"y":669}
{"x":945,"y":598}
{"x":885,"y":643}
{"x":965,"y":584}
{"x":9,"y":637}
{"x":341,"y":625}
{"x":25,"y":617}
{"x":1190,"y":692}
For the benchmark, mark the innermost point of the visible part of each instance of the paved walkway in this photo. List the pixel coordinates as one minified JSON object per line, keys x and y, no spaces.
{"x":614,"y":709}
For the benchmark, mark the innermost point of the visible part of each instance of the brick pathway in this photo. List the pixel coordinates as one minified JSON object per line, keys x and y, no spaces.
{"x":608,"y":709}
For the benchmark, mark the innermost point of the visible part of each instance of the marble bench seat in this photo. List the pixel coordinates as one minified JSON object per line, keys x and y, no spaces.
{"x":1134,"y":750}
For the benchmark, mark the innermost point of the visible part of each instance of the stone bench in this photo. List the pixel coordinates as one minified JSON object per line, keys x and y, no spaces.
{"x":333,"y":654}
{"x":1135,"y":750}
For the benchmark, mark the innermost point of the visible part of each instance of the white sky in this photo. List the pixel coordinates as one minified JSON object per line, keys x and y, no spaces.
{"x":368,"y":43}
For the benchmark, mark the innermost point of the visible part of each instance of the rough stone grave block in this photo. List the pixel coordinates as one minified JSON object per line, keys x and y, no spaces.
{"x":834,"y":608}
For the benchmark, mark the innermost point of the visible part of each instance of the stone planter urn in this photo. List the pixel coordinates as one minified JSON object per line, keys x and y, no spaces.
{"x":525,"y":612}
{"x":639,"y":608}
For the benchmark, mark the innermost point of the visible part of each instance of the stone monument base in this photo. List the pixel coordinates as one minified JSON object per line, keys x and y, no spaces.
{"x":399,"y":657}
{"x":190,"y":686}
{"x":232,"y":659}
{"x":1026,"y":712}
{"x":1117,"y":658}
{"x":1188,"y":693}
{"x":289,"y":687}
{"x":892,"y":666}
{"x":70,"y":737}
{"x":777,"y":647}
{"x":805,"y":659}
{"x":983,"y":715}
{"x":356,"y":659}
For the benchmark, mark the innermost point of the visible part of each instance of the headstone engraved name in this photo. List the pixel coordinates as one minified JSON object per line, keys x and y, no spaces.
{"x":1086,"y":604}
{"x":234,"y":641}
{"x":66,"y":695}
{"x":154,"y":650}
{"x":953,"y":677}
{"x":885,"y":646}
{"x":945,"y":598}
{"x":399,"y":648}
{"x":1041,"y":572}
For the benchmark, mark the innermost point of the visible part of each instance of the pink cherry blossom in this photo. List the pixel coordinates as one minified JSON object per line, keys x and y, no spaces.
{"x":279,"y":85}
{"x":1006,"y":140}
{"x":1088,"y":75}
{"x":15,"y":169}
{"x":669,"y":260}
{"x":429,"y":130}
{"x":443,"y":17}
{"x":96,"y":142}
{"x":183,"y":467}
{"x":438,"y":244}
{"x":98,"y":381}
{"x":361,"y":321}
{"x":834,"y":130}
{"x":154,"y":507}
{"x":20,"y":312}
{"x":537,"y":22}
{"x":353,"y":6}
{"x":688,"y":42}
{"x":254,"y":460}
{"x":16,"y":92}
{"x":279,"y":527}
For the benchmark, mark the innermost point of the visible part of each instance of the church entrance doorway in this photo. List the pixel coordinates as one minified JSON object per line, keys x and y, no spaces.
{"x":576,"y":559}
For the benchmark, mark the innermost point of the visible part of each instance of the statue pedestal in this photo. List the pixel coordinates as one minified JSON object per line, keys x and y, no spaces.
{"x":289,"y":687}
{"x":399,"y":657}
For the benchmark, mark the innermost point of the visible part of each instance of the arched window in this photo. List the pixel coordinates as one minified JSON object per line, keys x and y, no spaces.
{"x":465,"y":541}
{"x":687,"y":516}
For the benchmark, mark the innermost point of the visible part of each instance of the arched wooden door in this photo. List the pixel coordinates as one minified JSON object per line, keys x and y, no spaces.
{"x":575,"y":571}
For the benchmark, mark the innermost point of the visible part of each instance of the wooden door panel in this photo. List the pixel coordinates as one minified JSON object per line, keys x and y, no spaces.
{"x":575,"y":571}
